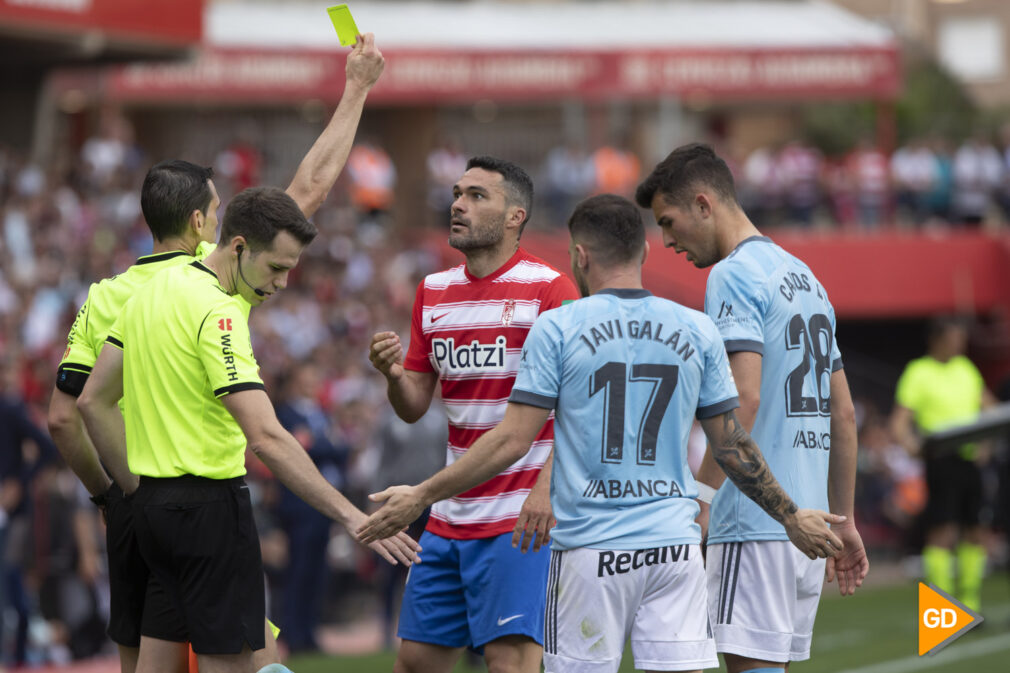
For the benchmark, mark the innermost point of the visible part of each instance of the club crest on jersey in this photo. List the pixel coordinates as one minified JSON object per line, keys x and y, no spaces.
{"x":508,"y":311}
{"x":468,"y":358}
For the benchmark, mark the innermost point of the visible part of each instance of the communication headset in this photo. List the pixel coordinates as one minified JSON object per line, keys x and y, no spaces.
{"x":260,"y":293}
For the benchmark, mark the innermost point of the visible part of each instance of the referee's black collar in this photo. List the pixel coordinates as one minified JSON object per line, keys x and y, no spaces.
{"x":160,"y":257}
{"x":200,"y":266}
{"x":626,"y":292}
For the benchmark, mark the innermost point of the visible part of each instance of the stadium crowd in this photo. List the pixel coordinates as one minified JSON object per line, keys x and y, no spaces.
{"x":926,"y":181}
{"x":78,"y":220}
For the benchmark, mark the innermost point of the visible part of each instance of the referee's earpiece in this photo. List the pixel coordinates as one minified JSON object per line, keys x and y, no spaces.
{"x":239,"y":249}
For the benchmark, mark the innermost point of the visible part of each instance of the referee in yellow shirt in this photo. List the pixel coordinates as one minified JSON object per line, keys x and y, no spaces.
{"x":939,"y":390}
{"x":180,"y":207}
{"x":194,"y":400}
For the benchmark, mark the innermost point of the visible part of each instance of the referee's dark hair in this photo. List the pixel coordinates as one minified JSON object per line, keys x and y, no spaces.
{"x":172,"y":190}
{"x":611,"y":227}
{"x":259,"y":213}
{"x":938,"y":327}
{"x":518,"y":184}
{"x":678,"y":176}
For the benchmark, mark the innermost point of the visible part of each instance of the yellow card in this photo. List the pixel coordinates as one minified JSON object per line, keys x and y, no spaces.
{"x":342,"y":20}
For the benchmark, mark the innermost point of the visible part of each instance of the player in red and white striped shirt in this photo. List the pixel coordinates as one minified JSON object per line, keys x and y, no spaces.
{"x":469,"y":324}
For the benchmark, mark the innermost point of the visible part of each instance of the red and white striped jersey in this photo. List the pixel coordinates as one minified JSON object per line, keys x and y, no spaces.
{"x":470,"y":331}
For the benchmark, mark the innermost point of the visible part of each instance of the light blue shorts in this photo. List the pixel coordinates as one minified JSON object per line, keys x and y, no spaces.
{"x":466,"y":593}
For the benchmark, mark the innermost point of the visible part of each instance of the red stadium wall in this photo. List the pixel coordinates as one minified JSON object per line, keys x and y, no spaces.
{"x":889,"y":275}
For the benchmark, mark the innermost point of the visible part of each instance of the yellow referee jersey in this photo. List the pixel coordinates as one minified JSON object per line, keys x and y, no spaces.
{"x":941,"y":394}
{"x":185,"y":344}
{"x":105,"y":301}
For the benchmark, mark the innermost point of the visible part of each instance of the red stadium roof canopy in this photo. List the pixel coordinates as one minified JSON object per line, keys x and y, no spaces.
{"x":713,"y":51}
{"x":104,"y":22}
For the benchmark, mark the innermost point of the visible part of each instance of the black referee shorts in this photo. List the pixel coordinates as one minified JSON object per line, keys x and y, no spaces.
{"x":199,"y":540}
{"x":128,"y":573}
{"x":955,"y":492}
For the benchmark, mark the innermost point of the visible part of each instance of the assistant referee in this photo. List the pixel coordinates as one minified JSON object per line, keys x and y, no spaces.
{"x":194,"y":400}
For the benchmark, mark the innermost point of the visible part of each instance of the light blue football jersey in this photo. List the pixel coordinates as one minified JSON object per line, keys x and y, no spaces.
{"x":625,"y":373}
{"x":766,"y":301}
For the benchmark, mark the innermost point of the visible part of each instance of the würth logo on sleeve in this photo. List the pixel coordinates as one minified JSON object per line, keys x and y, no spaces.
{"x":229,"y":355}
{"x":508,"y":311}
{"x":224,"y":324}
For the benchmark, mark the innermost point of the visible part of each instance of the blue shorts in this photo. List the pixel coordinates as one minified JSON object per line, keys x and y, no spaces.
{"x":466,"y":593}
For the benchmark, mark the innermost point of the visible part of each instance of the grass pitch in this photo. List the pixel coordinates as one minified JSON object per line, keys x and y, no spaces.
{"x":871,"y":632}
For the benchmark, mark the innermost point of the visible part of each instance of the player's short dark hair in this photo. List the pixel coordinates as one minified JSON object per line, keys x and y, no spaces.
{"x":518,"y":184}
{"x":679,"y":175}
{"x":172,"y":190}
{"x":260,"y":213}
{"x":611,"y":227}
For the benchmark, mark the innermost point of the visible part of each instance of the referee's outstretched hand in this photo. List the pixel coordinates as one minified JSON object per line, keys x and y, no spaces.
{"x":808,"y":530}
{"x":398,"y":547}
{"x":386,"y":354}
{"x":402,"y":504}
{"x":365,"y":62}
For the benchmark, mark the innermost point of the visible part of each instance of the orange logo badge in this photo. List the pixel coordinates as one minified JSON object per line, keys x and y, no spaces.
{"x":942,"y":619}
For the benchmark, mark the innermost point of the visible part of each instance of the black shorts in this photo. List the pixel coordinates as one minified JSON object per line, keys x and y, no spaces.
{"x":128,"y":573}
{"x":955,"y":492}
{"x":199,"y":539}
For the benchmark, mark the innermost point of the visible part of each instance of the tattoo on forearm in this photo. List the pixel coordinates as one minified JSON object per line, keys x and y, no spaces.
{"x":741,"y":460}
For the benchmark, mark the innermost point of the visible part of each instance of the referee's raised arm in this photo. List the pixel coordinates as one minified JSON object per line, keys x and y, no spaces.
{"x":326,"y":158}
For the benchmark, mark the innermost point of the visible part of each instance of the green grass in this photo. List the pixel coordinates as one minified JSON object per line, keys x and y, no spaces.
{"x":875,"y":626}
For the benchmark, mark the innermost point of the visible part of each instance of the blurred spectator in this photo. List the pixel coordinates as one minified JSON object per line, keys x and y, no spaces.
{"x":616,"y":170}
{"x":308,"y":531}
{"x":373,"y":178}
{"x":840,"y":189}
{"x":67,"y":565}
{"x":110,"y":151}
{"x":446,"y":162}
{"x":798,"y":175}
{"x":915,"y":172}
{"x":239,"y":165}
{"x":1003,"y":193}
{"x":568,"y":177}
{"x":759,"y":191}
{"x":891,"y":488}
{"x":978,"y":173}
{"x":941,"y":197}
{"x":869,"y":175}
{"x":24,"y":450}
{"x":408,"y":454}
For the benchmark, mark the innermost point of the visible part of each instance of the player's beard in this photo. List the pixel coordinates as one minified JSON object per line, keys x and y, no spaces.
{"x":479,"y":236}
{"x":580,"y":281}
